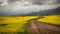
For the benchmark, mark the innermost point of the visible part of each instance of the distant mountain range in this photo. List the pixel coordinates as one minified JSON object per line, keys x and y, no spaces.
{"x":46,"y":12}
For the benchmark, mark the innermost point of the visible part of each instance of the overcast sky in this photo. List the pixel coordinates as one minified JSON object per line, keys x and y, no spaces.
{"x":27,"y":6}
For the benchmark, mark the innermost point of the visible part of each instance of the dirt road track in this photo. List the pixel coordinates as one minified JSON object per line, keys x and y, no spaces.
{"x":35,"y":27}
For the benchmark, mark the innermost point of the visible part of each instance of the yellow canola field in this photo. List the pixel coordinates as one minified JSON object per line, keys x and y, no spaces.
{"x":10,"y":19}
{"x":52,"y":19}
{"x":14,"y":23}
{"x":18,"y":22}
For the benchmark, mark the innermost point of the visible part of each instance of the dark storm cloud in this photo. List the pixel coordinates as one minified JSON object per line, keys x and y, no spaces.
{"x":11,"y":1}
{"x":13,"y":7}
{"x":39,"y":2}
{"x":58,"y":1}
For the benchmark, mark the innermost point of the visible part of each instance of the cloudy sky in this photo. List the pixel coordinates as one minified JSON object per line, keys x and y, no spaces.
{"x":27,"y":6}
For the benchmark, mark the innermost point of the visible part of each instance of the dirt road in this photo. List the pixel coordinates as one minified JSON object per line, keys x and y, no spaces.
{"x":35,"y":27}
